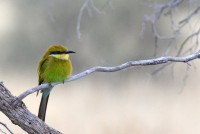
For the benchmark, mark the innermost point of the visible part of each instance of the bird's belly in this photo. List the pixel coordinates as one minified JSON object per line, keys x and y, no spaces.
{"x":57,"y":73}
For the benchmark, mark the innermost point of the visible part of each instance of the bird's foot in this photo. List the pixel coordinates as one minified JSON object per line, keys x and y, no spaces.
{"x":50,"y":84}
{"x":17,"y":102}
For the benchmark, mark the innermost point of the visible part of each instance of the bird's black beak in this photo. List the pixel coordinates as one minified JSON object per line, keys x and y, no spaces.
{"x":69,"y":52}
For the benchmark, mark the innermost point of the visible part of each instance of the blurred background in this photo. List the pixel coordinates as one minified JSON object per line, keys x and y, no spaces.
{"x":130,"y":101}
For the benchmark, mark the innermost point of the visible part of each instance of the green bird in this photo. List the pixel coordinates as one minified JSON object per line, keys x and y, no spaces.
{"x":55,"y":66}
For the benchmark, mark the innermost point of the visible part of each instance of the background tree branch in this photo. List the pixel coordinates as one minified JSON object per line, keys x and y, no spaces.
{"x":168,"y":11}
{"x":6,"y":128}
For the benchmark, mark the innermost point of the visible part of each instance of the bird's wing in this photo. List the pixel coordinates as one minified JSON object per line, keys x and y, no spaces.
{"x":41,"y":69}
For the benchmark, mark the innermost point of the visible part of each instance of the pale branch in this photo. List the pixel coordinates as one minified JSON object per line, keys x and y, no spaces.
{"x":83,"y":7}
{"x":21,"y":116}
{"x":158,"y":12}
{"x":180,"y":50}
{"x":186,"y":40}
{"x":190,"y":16}
{"x":168,"y":10}
{"x":6,"y":128}
{"x":167,"y":6}
{"x":2,"y":131}
{"x":87,"y":4}
{"x":160,"y":68}
{"x":155,"y":61}
{"x":95,"y":8}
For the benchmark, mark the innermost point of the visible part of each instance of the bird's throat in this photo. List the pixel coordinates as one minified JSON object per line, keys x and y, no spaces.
{"x":61,"y":56}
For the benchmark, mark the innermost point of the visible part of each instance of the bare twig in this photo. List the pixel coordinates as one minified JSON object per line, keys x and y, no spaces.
{"x":79,"y":18}
{"x":95,"y":8}
{"x":153,"y":19}
{"x":190,"y":16}
{"x":186,"y":40}
{"x":160,"y":68}
{"x":86,"y":4}
{"x":2,"y":131}
{"x":6,"y":128}
{"x":185,"y":78}
{"x":168,"y":10}
{"x":160,"y":60}
{"x":179,"y":51}
{"x":159,"y":11}
{"x":170,"y":5}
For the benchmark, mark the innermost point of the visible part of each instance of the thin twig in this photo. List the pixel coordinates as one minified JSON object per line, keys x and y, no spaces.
{"x":6,"y":127}
{"x":155,"y":61}
{"x":2,"y":131}
{"x":95,"y":8}
{"x":177,"y":27}
{"x":85,"y":4}
{"x":190,"y":16}
{"x":186,"y":40}
{"x":179,"y":51}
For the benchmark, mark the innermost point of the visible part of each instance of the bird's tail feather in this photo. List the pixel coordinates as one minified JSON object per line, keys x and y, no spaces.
{"x":43,"y":104}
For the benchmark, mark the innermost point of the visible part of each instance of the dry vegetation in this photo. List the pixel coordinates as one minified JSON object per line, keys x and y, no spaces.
{"x":132,"y":101}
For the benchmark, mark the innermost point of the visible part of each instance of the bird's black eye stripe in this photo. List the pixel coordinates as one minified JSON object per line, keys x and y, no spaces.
{"x":63,"y":52}
{"x":57,"y":52}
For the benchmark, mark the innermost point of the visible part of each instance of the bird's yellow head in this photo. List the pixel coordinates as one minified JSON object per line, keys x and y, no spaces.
{"x":59,"y":52}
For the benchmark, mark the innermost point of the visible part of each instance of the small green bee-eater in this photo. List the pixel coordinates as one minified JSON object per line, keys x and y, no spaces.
{"x":55,"y":66}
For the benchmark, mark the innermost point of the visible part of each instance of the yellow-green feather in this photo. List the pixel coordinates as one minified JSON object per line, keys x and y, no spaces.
{"x":57,"y":70}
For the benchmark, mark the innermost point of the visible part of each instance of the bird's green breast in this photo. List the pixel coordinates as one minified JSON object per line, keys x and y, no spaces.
{"x":57,"y":70}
